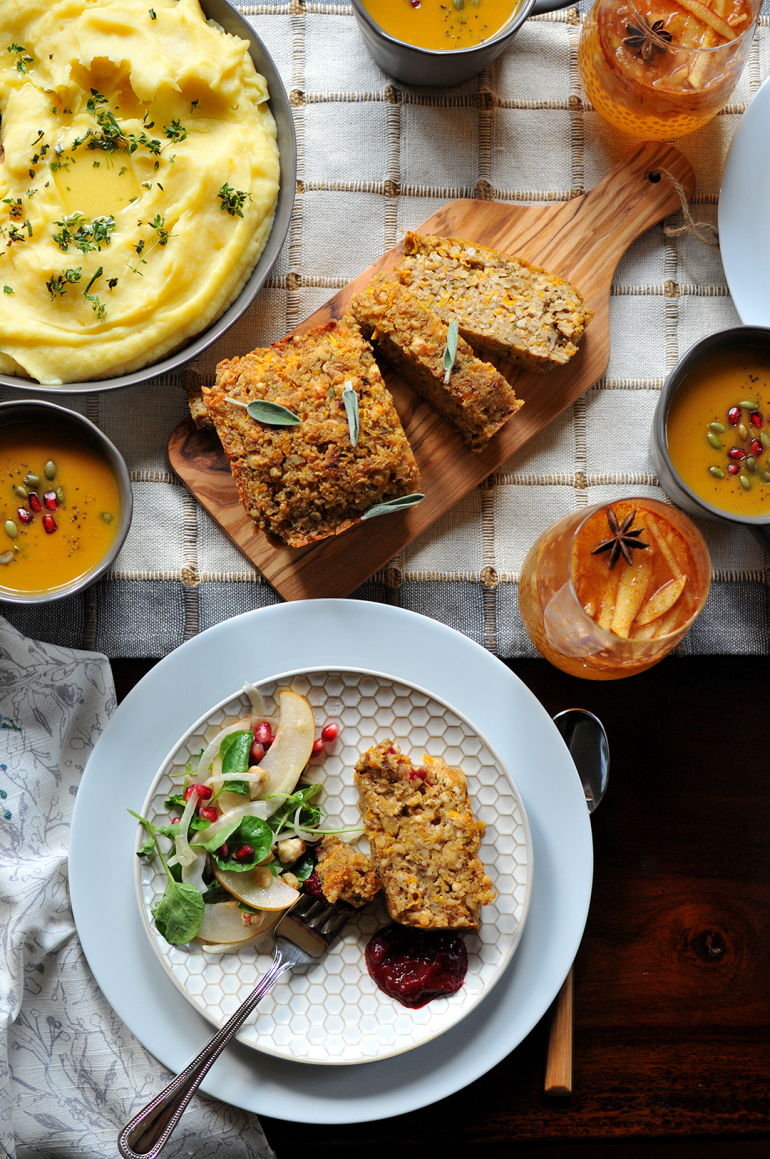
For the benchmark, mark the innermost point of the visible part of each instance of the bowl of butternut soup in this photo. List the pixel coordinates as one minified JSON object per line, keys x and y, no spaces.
{"x":65,"y":502}
{"x":711,"y":431}
{"x":442,"y":42}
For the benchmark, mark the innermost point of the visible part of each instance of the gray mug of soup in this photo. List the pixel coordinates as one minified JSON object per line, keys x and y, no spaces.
{"x":746,"y":338}
{"x":438,"y":67}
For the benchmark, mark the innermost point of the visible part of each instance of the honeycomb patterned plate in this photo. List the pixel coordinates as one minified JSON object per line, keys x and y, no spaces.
{"x":335,"y":1014}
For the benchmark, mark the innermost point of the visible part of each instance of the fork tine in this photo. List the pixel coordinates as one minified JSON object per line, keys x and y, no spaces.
{"x":334,"y":924}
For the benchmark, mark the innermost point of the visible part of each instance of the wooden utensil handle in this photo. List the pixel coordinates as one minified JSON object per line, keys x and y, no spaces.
{"x":558,"y":1069}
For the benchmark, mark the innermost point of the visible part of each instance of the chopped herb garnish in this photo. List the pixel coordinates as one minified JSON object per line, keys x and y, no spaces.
{"x":7,"y":289}
{"x":22,"y":57}
{"x":122,"y":171}
{"x":195,"y":105}
{"x":39,"y":137}
{"x":96,"y":305}
{"x":57,"y":283}
{"x":112,"y":283}
{"x":153,"y":14}
{"x":233,"y":200}
{"x":85,"y":236}
{"x":15,"y":209}
{"x":175,"y":131}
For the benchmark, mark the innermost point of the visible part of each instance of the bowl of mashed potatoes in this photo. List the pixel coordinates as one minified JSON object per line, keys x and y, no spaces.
{"x":146,"y":185}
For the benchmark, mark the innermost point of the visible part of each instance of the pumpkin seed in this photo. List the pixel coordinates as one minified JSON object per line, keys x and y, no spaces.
{"x":742,"y":431}
{"x":459,"y":5}
{"x":20,"y":491}
{"x":764,"y":439}
{"x":751,"y":464}
{"x":717,"y":472}
{"x":745,"y":482}
{"x":6,"y":557}
{"x":715,"y":442}
{"x":106,"y":517}
{"x":11,"y":529}
{"x":717,"y":428}
{"x":50,"y":469}
{"x":31,"y":480}
{"x":766,"y":476}
{"x":748,"y":405}
{"x":60,"y":495}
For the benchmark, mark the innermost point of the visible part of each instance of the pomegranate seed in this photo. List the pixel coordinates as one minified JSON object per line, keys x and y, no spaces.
{"x":415,"y":3}
{"x":34,"y":502}
{"x":208,"y":813}
{"x":734,"y":415}
{"x":755,"y":418}
{"x":245,"y":853}
{"x":319,"y":746}
{"x":264,"y":733}
{"x":737,"y":454}
{"x":49,"y":523}
{"x":313,"y":886}
{"x":50,"y":500}
{"x":733,"y":468}
{"x":756,"y":447}
{"x":224,"y":850}
{"x":176,"y":820}
{"x":256,"y":752}
{"x":203,"y":791}
{"x":24,"y":515}
{"x":330,"y":731}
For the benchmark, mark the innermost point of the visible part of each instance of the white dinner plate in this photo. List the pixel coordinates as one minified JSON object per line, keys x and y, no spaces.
{"x":323,"y":634}
{"x":744,"y":213}
{"x":335,"y":1014}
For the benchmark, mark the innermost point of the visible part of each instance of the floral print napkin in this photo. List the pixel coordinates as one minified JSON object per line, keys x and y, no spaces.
{"x":71,"y":1074}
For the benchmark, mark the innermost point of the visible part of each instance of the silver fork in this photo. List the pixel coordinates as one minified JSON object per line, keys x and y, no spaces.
{"x":302,"y":937}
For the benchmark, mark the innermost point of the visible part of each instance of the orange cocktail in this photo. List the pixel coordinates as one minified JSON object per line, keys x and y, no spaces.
{"x":660,"y":68}
{"x":608,"y":592}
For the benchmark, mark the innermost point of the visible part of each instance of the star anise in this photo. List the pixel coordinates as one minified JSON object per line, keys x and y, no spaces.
{"x":623,"y":539}
{"x":644,"y":39}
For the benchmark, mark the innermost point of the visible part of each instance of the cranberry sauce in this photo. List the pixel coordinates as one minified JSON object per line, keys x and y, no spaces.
{"x":416,"y":966}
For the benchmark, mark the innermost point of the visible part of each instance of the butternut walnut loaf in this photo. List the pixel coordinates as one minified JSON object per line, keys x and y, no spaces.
{"x":502,"y":304}
{"x":345,"y":873}
{"x":476,"y":399}
{"x":305,"y":482}
{"x":423,"y":838}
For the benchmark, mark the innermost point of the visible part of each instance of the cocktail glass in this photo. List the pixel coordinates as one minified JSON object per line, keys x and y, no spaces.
{"x":661,"y":68}
{"x":605,"y":622}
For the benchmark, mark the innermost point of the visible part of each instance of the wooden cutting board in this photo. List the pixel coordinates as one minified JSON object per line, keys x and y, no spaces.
{"x":583,"y":240}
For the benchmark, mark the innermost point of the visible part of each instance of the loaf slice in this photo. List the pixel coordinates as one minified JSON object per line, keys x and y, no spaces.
{"x":474,"y":397}
{"x":303,"y":483}
{"x":423,"y":838}
{"x":503,"y":305}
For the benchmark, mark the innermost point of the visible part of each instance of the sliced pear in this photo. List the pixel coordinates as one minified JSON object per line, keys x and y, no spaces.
{"x":223,"y":923}
{"x":292,"y":748}
{"x":248,"y":887}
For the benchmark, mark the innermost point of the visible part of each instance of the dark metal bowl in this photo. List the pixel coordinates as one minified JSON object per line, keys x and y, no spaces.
{"x":48,"y":414}
{"x":427,"y":66}
{"x":676,"y":489}
{"x":231,"y":20}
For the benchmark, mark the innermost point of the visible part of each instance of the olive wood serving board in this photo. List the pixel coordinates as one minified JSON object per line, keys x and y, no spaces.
{"x":582,"y":240}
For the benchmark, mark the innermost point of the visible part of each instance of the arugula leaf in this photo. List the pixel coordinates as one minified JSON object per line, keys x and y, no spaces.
{"x":216,"y":893}
{"x":220,"y":838}
{"x":147,"y":849}
{"x":175,"y":801}
{"x":251,"y":831}
{"x":179,"y":913}
{"x":301,"y":868}
{"x":234,"y":751}
{"x":302,"y":796}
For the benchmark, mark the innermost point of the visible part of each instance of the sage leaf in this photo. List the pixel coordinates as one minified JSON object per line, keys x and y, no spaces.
{"x":350,"y":399}
{"x":450,"y":350}
{"x":391,"y":505}
{"x":271,"y":413}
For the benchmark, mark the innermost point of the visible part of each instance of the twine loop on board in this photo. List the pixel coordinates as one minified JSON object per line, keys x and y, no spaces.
{"x":703,"y":230}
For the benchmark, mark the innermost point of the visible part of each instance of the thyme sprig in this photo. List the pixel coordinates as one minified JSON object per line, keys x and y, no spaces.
{"x":233,"y":200}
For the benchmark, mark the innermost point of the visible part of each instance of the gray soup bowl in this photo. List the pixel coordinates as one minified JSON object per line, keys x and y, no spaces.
{"x":224,"y":14}
{"x":738,"y":337}
{"x":426,"y":66}
{"x":47,"y":414}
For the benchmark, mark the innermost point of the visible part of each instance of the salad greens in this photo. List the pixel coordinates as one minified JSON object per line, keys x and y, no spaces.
{"x":234,"y":751}
{"x":179,"y":913}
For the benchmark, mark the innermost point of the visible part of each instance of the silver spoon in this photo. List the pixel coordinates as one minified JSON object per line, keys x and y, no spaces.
{"x":584,"y":735}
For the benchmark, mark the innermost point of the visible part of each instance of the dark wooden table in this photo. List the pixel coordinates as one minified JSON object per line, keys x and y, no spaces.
{"x":672,"y":980}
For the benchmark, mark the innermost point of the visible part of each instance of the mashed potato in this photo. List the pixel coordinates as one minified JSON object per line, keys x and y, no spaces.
{"x":138,"y":185}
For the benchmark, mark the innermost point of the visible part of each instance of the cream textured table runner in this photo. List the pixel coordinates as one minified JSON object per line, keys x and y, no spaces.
{"x":376,"y":159}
